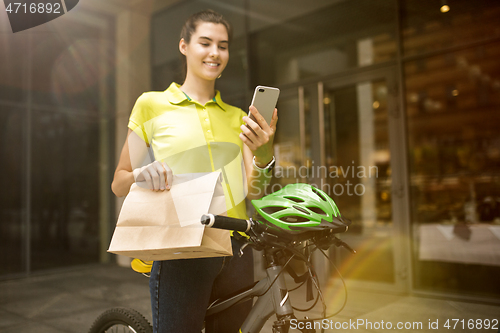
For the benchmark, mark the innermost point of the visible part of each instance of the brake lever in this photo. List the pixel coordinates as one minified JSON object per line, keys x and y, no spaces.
{"x":242,"y":248}
{"x":337,"y":242}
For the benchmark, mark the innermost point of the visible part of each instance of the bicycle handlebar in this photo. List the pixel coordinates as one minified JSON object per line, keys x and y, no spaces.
{"x":225,"y":222}
{"x":231,"y":223}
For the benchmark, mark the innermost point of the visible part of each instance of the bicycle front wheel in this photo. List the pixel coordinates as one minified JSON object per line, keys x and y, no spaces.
{"x":121,"y":320}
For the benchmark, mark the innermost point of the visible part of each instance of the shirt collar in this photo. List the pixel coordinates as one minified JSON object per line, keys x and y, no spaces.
{"x":176,"y":96}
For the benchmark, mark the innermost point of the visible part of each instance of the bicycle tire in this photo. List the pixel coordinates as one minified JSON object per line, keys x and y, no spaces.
{"x":121,"y":317}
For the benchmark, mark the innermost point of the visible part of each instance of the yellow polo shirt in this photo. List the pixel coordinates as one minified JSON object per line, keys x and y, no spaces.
{"x":190,"y":137}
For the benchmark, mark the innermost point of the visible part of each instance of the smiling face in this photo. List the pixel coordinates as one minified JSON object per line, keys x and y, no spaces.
{"x":207,"y":52}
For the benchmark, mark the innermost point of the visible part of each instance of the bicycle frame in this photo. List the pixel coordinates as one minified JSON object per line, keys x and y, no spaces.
{"x":272,"y":297}
{"x":275,"y":300}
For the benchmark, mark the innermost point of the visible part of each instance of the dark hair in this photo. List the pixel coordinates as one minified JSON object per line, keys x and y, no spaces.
{"x":207,"y":16}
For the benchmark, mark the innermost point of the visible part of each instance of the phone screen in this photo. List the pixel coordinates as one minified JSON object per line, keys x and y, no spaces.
{"x":265,"y":99}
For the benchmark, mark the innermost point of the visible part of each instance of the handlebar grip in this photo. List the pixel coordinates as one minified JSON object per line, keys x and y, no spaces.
{"x":225,"y":222}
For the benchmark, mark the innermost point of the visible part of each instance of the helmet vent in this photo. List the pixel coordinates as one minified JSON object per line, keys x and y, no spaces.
{"x":315,"y":190}
{"x":297,"y":200}
{"x":294,"y":219}
{"x":318,"y":210}
{"x":272,"y":209}
{"x":302,"y":210}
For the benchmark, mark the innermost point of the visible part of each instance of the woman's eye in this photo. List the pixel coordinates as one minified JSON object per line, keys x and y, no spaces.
{"x":223,"y":47}
{"x":204,"y":44}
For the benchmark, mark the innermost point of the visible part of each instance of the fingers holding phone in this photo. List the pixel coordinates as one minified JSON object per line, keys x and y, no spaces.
{"x":257,"y":129}
{"x":256,"y":117}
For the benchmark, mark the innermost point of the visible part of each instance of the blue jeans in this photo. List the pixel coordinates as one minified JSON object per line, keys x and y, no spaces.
{"x":182,"y":289}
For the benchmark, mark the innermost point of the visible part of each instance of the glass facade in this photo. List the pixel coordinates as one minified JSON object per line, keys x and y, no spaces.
{"x":426,"y":29}
{"x":452,"y":101}
{"x":398,"y":88}
{"x":55,"y":86}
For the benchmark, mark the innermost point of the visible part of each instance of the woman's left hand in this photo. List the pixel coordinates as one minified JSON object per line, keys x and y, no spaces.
{"x":260,"y":141}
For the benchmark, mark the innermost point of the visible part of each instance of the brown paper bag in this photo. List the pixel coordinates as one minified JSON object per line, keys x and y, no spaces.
{"x":166,"y":225}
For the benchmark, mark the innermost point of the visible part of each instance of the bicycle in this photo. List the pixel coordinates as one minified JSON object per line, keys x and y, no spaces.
{"x":280,"y":243}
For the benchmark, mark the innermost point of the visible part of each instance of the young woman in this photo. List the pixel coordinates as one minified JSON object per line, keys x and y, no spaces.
{"x":175,"y":124}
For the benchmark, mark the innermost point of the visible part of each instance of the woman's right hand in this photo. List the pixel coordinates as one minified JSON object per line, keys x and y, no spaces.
{"x":156,"y":176}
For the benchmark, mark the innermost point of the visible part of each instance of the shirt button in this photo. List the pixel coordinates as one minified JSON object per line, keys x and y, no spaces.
{"x":208,"y":131}
{"x":206,"y":119}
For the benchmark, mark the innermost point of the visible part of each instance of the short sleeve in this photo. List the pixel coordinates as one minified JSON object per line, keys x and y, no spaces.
{"x":141,"y":113}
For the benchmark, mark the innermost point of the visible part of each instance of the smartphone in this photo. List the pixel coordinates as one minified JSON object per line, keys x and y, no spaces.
{"x":265,"y":99}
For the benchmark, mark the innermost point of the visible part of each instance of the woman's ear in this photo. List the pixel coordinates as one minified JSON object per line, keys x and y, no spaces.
{"x":182,"y":46}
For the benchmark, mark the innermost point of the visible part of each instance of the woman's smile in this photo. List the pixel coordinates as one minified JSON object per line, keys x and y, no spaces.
{"x":212,"y":64}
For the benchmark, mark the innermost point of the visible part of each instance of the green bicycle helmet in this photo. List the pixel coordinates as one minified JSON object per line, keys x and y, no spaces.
{"x":298,"y":208}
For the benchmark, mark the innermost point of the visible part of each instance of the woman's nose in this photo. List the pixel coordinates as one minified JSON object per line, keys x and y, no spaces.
{"x":214,"y":51}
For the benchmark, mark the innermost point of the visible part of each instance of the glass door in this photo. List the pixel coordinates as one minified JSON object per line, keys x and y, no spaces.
{"x":345,"y":137}
{"x":359,"y":131}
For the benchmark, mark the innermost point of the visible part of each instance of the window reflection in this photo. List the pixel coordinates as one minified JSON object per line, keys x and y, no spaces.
{"x":13,"y":50}
{"x":453,"y":120}
{"x":12,"y":182}
{"x":54,"y":94}
{"x":64,"y":225}
{"x":359,"y":179}
{"x":288,"y":146}
{"x":426,"y":28}
{"x":332,"y":39}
